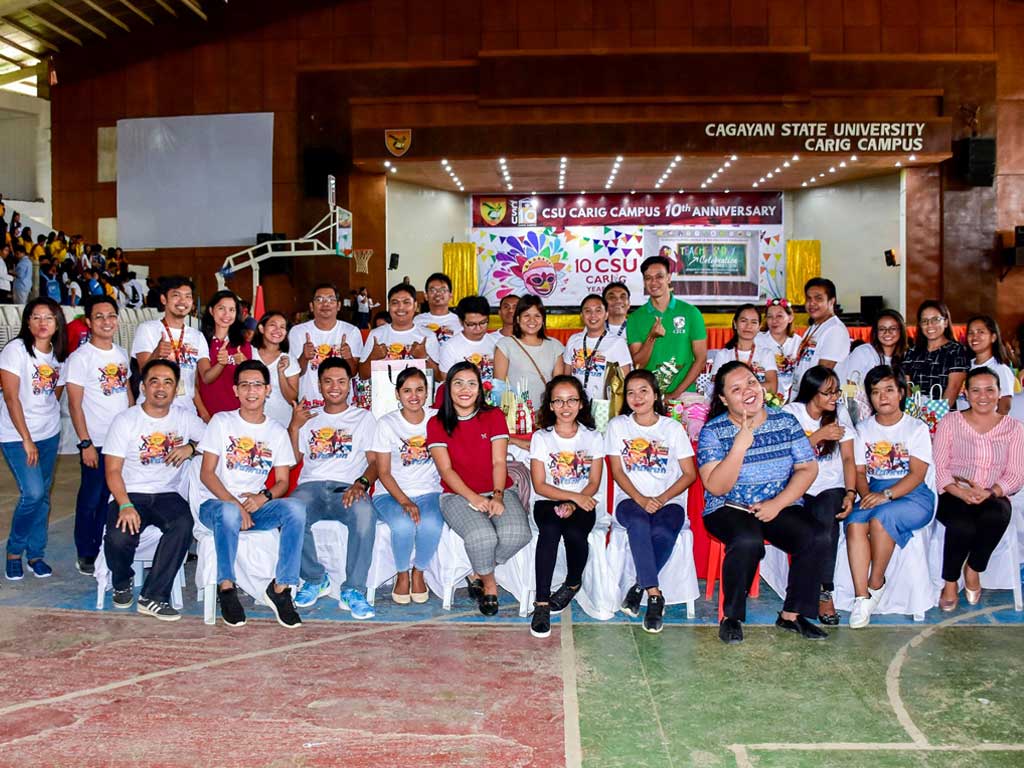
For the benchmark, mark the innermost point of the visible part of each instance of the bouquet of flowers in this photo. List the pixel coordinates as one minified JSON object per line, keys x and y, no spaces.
{"x":773,"y":399}
{"x":665,"y":374}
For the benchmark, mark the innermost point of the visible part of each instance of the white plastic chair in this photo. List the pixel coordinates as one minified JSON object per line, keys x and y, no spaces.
{"x":449,"y":566}
{"x":331,"y":538}
{"x":144,"y":553}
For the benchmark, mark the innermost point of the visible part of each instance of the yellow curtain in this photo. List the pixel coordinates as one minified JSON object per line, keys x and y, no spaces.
{"x":459,"y":263}
{"x":803,"y":261}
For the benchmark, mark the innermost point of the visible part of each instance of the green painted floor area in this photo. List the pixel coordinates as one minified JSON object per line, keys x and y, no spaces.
{"x":681,"y":698}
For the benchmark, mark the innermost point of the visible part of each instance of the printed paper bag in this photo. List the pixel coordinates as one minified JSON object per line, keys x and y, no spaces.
{"x":600,"y":409}
{"x":383,"y":374}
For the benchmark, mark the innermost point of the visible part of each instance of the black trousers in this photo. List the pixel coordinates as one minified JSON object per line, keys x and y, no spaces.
{"x":793,"y":531}
{"x":823,"y":508}
{"x":972,"y":532}
{"x":574,"y":530}
{"x":168,"y":512}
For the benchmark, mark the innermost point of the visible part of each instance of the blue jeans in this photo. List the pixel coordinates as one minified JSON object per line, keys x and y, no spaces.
{"x":651,"y":537}
{"x":32,"y":513}
{"x":224,"y":518}
{"x":322,"y":503}
{"x":405,"y":534}
{"x":91,"y":509}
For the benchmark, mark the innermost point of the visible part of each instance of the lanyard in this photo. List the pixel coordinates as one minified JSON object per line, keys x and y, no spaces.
{"x":749,"y":360}
{"x":588,"y":358}
{"x":619,"y":333}
{"x":806,"y":340}
{"x":177,"y":347}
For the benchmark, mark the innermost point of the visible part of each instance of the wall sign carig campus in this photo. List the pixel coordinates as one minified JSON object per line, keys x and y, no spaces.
{"x":831,"y":137}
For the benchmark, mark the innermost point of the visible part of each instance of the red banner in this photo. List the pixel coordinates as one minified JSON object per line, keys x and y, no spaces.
{"x":657,"y":209}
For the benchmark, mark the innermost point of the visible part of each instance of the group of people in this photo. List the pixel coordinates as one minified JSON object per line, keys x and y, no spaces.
{"x":252,"y":410}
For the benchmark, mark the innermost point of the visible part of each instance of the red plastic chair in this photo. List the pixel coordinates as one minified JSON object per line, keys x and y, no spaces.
{"x":716,"y":557}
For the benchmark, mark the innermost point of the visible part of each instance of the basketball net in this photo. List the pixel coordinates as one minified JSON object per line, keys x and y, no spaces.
{"x":362,"y":258}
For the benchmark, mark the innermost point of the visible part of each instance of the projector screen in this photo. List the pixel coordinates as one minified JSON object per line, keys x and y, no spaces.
{"x":189,"y":182}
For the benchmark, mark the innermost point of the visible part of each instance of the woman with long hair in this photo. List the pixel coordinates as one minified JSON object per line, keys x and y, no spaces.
{"x":651,"y":459}
{"x":468,"y":441}
{"x":777,"y":335}
{"x":566,"y":459}
{"x":270,"y":345}
{"x":986,"y":342}
{"x":893,"y":452}
{"x":743,"y":346}
{"x":224,"y":329}
{"x":830,"y":498}
{"x":937,"y":358}
{"x":30,"y":428}
{"x":888,"y":346}
{"x":408,"y":486}
{"x":756,"y":464}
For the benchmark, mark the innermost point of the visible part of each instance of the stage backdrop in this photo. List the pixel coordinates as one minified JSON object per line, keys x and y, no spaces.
{"x":725,"y":249}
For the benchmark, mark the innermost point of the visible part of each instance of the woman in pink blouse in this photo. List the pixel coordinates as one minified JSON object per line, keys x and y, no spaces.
{"x":979,"y":464}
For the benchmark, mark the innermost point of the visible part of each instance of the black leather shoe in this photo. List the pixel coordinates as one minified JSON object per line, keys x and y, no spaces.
{"x":489,"y":605}
{"x":802,"y":627}
{"x":730,"y":631}
{"x":475,"y":587}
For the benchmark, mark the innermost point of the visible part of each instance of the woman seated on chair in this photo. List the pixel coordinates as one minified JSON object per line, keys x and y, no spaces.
{"x":408,"y":486}
{"x":756,"y":465}
{"x":469,"y":443}
{"x":979,"y":464}
{"x":566,"y":459}
{"x":652,"y":462}
{"x":893,"y":451}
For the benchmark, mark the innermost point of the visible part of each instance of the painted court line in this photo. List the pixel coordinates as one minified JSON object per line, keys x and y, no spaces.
{"x":654,"y":704}
{"x":570,"y":698}
{"x":198,"y":666}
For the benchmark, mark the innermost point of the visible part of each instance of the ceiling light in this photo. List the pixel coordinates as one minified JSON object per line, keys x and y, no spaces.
{"x":583,"y":191}
{"x":563,"y":159}
{"x":769,"y":174}
{"x":727,"y":191}
{"x":714,"y":175}
{"x":754,"y":184}
{"x":734,"y":158}
{"x":761,"y":180}
{"x":632,"y":191}
{"x":682,"y":191}
{"x":821,"y":175}
{"x":727,"y":164}
{"x":795,"y":158}
{"x":898,"y":164}
{"x":702,"y":186}
{"x":842,"y":164}
{"x":912,"y":158}
{"x":510,"y":187}
{"x":778,"y":170}
{"x":678,"y":158}
{"x":813,"y":179}
{"x":394,"y":169}
{"x":387,"y":163}
{"x":721,"y":169}
{"x":832,"y":169}
{"x":804,"y":184}
{"x":786,"y":164}
{"x":618,"y":158}
{"x":444,"y":162}
{"x":853,"y":158}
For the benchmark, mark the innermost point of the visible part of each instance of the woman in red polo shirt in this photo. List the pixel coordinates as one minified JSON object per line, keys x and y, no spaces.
{"x":222,"y":326}
{"x":469,"y":443}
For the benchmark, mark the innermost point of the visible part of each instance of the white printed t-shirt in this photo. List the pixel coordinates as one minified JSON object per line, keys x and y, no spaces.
{"x":326,"y":344}
{"x":444,"y":327}
{"x":144,"y":442}
{"x":761,"y":359}
{"x":830,"y":467}
{"x":885,"y":451}
{"x":411,"y":464}
{"x":828,"y":341}
{"x":599,"y":352}
{"x":649,"y":455}
{"x":334,"y":445}
{"x":399,"y":343}
{"x":566,"y":460}
{"x":193,"y":349}
{"x":248,"y":452}
{"x":276,"y":407}
{"x":38,"y":379}
{"x":103,"y":375}
{"x":479,"y":353}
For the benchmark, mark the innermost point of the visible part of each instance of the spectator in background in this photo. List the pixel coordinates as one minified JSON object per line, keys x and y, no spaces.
{"x":529,"y":355}
{"x":5,"y":276}
{"x":440,"y":320}
{"x":14,"y":229}
{"x":152,"y":293}
{"x":39,"y":249}
{"x":888,"y":347}
{"x":381,"y":318}
{"x":472,"y":343}
{"x":507,"y":312}
{"x":49,"y":282}
{"x":22,"y":274}
{"x":937,"y":358}
{"x":743,"y":347}
{"x":26,"y":238}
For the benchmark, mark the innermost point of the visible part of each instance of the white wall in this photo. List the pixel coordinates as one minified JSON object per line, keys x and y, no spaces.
{"x":419,"y":221}
{"x":855,"y":222}
{"x":25,"y":156}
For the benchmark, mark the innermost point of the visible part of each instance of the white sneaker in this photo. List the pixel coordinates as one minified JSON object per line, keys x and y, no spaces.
{"x":875,"y":597}
{"x":860,"y":614}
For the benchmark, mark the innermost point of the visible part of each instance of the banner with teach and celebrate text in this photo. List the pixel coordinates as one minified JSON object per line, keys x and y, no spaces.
{"x":724,"y":248}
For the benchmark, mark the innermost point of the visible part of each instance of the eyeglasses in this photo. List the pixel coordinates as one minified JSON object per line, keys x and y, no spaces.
{"x":940,"y":320}
{"x":828,"y":394}
{"x":777,"y":303}
{"x":42,"y":318}
{"x":438,"y":290}
{"x":325,"y":299}
{"x":560,"y":403}
{"x":472,"y":326}
{"x":255,"y":385}
{"x":884,"y":329}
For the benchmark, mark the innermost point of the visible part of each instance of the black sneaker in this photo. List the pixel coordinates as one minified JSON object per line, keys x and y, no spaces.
{"x":231,"y":608}
{"x":157,"y":609}
{"x":283,"y":607}
{"x":802,"y":627}
{"x":540,"y":626}
{"x":123,"y":598}
{"x":730,"y":631}
{"x":86,"y":566}
{"x":653,"y":618}
{"x":631,"y":605}
{"x":559,"y":601}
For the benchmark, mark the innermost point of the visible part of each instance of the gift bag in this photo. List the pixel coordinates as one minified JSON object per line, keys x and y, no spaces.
{"x":929,"y":409}
{"x":691,"y":410}
{"x":615,"y":389}
{"x":856,"y":398}
{"x":383,"y":374}
{"x":705,"y":383}
{"x":600,"y":409}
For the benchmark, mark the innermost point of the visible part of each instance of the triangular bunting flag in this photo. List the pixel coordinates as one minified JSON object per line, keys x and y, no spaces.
{"x":597,"y":245}
{"x":607,"y":230}
{"x":611,"y":251}
{"x":493,"y":238}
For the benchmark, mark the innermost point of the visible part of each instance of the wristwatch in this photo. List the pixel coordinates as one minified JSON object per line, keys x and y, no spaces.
{"x":84,"y":444}
{"x":267,"y":494}
{"x":887,"y":493}
{"x":364,"y":482}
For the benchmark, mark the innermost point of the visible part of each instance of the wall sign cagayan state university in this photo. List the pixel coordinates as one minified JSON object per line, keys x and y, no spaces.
{"x":831,"y":137}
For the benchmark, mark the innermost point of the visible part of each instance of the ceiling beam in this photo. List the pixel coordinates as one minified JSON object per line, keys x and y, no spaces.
{"x":75,"y":17}
{"x":30,"y":34}
{"x":9,"y":60}
{"x":56,"y":28}
{"x":195,"y":9}
{"x":23,"y":73}
{"x":23,"y":49}
{"x":163,"y":4}
{"x":136,"y":11}
{"x":107,"y":14}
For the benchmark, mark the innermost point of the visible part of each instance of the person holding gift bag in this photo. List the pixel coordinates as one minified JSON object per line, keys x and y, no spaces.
{"x":589,"y":352}
{"x":566,"y":459}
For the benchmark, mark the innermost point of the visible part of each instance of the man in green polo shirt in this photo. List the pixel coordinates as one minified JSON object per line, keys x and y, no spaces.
{"x":667,"y":331}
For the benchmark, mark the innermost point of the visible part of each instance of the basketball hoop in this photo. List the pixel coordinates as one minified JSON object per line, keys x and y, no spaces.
{"x":362,"y":258}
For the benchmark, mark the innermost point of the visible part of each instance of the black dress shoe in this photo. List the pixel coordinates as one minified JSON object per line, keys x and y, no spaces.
{"x":730,"y":631}
{"x":802,"y":627}
{"x":489,"y":605}
{"x":475,"y":588}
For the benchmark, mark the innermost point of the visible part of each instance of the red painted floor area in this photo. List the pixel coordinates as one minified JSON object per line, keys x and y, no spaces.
{"x":330,"y":694}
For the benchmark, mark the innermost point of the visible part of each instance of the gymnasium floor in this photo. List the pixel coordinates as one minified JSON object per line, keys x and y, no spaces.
{"x":419,"y":686}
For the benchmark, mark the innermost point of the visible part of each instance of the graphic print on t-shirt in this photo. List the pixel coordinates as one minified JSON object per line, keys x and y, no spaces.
{"x":643,"y":455}
{"x":443,"y":332}
{"x":245,"y":454}
{"x":784,"y":363}
{"x":188,"y":356}
{"x":155,"y":447}
{"x":569,"y":467}
{"x":397,"y":351}
{"x":323,"y":351}
{"x":484,"y":363}
{"x":329,"y":443}
{"x":414,"y":451}
{"x":44,"y":379}
{"x":113,"y":378}
{"x":887,"y":460}
{"x":596,"y":360}
{"x":808,"y":350}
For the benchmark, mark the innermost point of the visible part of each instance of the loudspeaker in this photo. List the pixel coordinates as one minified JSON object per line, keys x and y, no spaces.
{"x":870,"y":306}
{"x":892,"y":258}
{"x":1014,"y":257}
{"x":393,"y":263}
{"x":976,"y":160}
{"x":1018,"y":236}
